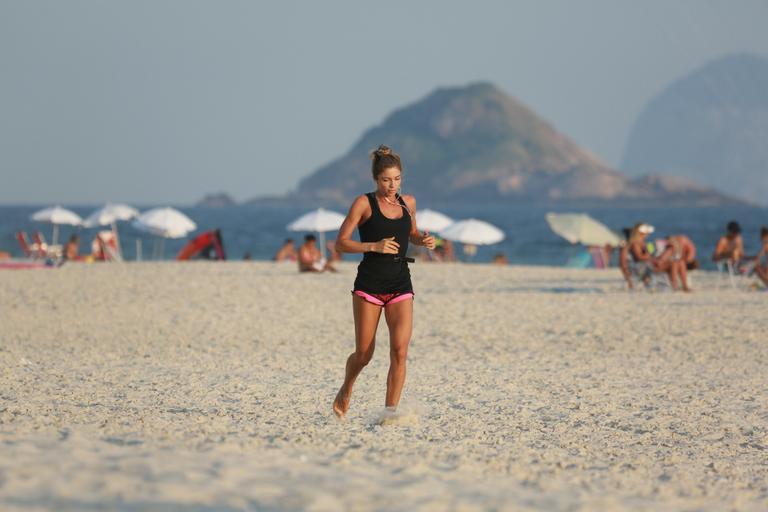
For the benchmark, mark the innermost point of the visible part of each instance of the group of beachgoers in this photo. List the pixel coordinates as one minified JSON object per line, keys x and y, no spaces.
{"x":675,"y":255}
{"x":310,"y":258}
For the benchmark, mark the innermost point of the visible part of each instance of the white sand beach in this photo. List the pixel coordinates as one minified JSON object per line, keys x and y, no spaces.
{"x":208,"y":386}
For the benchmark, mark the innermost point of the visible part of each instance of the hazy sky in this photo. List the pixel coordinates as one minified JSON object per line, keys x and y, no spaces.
{"x":164,"y":101}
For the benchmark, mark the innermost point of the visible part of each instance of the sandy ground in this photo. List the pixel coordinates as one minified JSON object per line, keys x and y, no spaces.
{"x":204,"y":386}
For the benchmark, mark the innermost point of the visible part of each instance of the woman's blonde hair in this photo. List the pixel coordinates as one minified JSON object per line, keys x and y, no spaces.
{"x":635,"y":235}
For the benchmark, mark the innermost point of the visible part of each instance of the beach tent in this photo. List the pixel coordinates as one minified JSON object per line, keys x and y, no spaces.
{"x":57,"y":215}
{"x":165,"y":223}
{"x":580,"y":228}
{"x":320,"y":221}
{"x":109,"y":214}
{"x":432,"y":221}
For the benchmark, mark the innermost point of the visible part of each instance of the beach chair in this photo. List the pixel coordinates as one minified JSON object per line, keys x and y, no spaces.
{"x":656,"y":280}
{"x":47,"y":251}
{"x":30,"y":250}
{"x":738,"y":274}
{"x":104,"y":247}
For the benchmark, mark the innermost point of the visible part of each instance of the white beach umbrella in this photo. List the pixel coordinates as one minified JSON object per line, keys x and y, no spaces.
{"x":320,"y":220}
{"x":317,"y":220}
{"x":109,"y":214}
{"x":580,"y":228}
{"x":430,"y":220}
{"x":165,"y":222}
{"x":473,"y":231}
{"x":57,"y":215}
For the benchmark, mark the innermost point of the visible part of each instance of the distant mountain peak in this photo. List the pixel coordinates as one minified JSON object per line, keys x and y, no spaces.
{"x":478,"y":143}
{"x":710,"y":126}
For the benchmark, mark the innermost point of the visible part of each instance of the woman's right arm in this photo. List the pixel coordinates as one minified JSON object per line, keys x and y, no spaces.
{"x":344,"y":242}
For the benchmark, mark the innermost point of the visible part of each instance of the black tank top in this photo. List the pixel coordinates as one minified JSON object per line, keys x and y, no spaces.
{"x":384,"y":273}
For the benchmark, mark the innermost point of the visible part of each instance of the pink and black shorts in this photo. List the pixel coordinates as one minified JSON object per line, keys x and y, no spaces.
{"x":383,"y":299}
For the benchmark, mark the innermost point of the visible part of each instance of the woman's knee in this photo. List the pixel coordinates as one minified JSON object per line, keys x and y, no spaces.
{"x":363,"y":357}
{"x":399,"y":353}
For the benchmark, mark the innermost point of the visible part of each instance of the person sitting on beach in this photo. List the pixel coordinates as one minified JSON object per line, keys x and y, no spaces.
{"x":311,"y":259}
{"x":624,"y":257}
{"x":71,"y":251}
{"x":333,"y":254}
{"x":761,"y":262}
{"x":637,"y":250}
{"x":730,"y":247}
{"x":677,"y":257}
{"x":287,"y":252}
{"x":500,"y":259}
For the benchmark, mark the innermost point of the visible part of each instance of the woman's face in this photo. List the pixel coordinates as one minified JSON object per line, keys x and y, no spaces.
{"x":388,"y":182}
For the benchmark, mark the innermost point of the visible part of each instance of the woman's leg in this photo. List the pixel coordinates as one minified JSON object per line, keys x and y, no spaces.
{"x":366,"y":321}
{"x":682,"y":271}
{"x":399,"y":318}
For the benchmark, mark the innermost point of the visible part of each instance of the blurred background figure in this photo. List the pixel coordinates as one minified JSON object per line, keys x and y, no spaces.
{"x":500,"y":259}
{"x":311,"y":259}
{"x":730,"y":247}
{"x":287,"y":251}
{"x":761,"y":261}
{"x":71,"y":251}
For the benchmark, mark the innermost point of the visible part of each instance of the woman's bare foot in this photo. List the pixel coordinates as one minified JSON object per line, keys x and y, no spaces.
{"x":341,"y":403}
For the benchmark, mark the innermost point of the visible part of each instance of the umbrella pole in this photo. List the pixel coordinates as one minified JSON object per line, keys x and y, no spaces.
{"x":322,"y":244}
{"x":138,"y":249}
{"x":117,"y":240}
{"x":55,"y":236}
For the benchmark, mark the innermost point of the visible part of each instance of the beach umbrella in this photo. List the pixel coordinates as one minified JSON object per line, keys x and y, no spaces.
{"x":57,"y":215}
{"x":109,"y":214}
{"x":580,"y":228}
{"x":165,"y":222}
{"x":430,"y":220}
{"x":320,"y":220}
{"x":472,"y":231}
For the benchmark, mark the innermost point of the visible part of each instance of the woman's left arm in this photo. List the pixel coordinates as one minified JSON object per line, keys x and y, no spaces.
{"x":415,"y":236}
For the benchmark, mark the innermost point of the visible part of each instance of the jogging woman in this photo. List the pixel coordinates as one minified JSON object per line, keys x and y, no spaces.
{"x":386,"y":222}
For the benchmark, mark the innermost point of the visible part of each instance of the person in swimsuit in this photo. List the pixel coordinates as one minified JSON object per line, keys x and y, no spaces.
{"x":677,"y":258}
{"x":311,"y":259}
{"x":761,"y":263}
{"x":624,"y":257}
{"x":637,"y":250}
{"x":386,"y":222}
{"x":730,"y":247}
{"x":287,"y":252}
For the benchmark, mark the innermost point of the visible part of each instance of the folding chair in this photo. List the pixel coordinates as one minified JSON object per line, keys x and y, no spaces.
{"x":104,"y":247}
{"x":29,"y":250}
{"x":46,"y":251}
{"x":737,"y":274}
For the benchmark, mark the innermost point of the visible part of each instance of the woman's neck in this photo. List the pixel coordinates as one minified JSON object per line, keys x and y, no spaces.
{"x":386,"y":198}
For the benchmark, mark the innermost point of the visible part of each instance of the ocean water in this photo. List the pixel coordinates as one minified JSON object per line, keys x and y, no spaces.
{"x":260,"y":230}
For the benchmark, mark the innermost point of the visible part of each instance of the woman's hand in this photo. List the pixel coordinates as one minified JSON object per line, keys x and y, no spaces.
{"x":428,"y":240}
{"x":387,"y":246}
